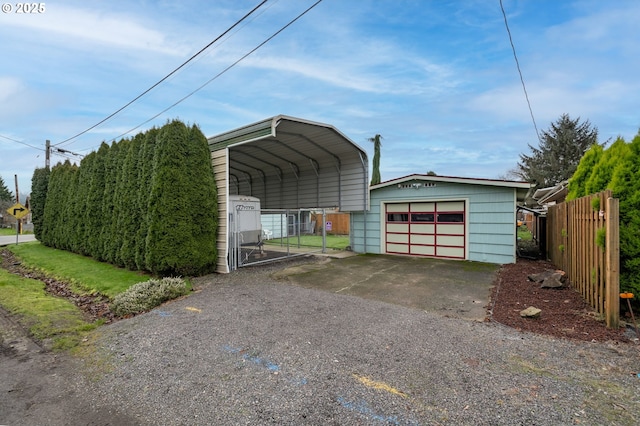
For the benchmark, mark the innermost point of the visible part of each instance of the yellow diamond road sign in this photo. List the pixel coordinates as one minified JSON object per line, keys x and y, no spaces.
{"x":18,"y":211}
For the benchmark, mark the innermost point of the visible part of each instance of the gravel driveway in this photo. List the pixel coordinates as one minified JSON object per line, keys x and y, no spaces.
{"x":247,"y":349}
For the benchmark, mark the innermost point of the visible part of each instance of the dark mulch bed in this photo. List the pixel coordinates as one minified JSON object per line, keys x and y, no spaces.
{"x":564,"y":313}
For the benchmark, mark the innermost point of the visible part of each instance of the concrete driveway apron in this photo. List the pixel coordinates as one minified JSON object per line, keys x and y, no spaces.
{"x":449,"y":287}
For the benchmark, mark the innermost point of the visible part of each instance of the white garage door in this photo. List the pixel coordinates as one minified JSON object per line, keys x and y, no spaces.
{"x":426,"y":229}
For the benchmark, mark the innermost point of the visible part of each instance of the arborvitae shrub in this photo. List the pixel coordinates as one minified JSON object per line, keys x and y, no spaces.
{"x":147,"y":203}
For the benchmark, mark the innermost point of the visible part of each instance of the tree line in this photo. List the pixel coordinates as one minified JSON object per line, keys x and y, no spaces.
{"x":144,"y":203}
{"x":616,"y":168}
{"x":569,"y":150}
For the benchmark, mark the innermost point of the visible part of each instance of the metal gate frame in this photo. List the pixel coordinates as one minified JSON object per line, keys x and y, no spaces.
{"x":260,"y":250}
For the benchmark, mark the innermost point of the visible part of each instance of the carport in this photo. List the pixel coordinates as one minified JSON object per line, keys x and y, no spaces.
{"x":286,"y":163}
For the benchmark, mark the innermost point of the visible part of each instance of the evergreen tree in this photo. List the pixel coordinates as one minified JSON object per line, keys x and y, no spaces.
{"x":85,"y":175}
{"x":71,"y":212}
{"x":182,"y":205}
{"x":147,"y":203}
{"x":603,"y":170}
{"x":625,"y":185}
{"x":145,"y":180}
{"x":39,"y":186}
{"x":578,"y":182}
{"x":93,"y":214}
{"x":375,"y":174}
{"x":128,"y":204}
{"x":618,"y":169}
{"x":113,"y":231}
{"x":5,"y":194}
{"x":109,"y":212}
{"x":55,"y":232}
{"x":560,"y":149}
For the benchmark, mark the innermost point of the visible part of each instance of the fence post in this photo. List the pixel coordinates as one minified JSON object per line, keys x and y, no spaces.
{"x":612,"y":262}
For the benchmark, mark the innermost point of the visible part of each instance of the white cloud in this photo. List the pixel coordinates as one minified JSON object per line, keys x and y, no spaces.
{"x":9,"y":87}
{"x":92,"y":27}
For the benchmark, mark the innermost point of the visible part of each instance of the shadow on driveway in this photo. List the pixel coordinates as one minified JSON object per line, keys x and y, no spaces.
{"x":453,"y":288}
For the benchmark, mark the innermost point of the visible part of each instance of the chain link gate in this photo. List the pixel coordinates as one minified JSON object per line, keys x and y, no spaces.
{"x":279,"y":234}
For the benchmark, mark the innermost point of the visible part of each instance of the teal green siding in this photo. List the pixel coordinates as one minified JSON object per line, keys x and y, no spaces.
{"x":490,"y":218}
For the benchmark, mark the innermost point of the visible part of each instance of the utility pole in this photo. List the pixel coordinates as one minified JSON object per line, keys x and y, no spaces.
{"x":47,"y":154}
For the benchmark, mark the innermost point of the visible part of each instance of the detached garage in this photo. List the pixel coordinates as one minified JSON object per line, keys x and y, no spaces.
{"x":443,"y":217}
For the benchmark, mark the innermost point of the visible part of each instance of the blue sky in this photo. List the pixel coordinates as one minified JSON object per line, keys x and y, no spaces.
{"x":437,"y":79}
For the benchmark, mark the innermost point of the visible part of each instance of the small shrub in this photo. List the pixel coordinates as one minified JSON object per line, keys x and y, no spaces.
{"x":561,"y":248}
{"x":144,"y":296}
{"x":595,"y":204}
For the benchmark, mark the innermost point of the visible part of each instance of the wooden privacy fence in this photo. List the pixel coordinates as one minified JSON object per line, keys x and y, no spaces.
{"x":335,"y":223}
{"x":583,"y":240}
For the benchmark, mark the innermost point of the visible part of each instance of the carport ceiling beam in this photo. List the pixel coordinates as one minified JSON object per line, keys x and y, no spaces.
{"x":295,"y":169}
{"x":313,"y":161}
{"x":285,"y":160}
{"x":249,"y":166}
{"x":264,"y":176}
{"x":253,"y":157}
{"x":320,"y":147}
{"x":237,"y":181}
{"x":248,"y":175}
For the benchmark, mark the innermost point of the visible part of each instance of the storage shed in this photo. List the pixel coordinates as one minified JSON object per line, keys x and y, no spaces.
{"x":441,"y":216}
{"x":286,"y":163}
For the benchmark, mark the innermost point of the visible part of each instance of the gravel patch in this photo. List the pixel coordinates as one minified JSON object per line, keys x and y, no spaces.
{"x":248,"y":349}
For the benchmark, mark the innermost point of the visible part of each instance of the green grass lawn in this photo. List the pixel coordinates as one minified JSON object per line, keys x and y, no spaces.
{"x":12,"y":232}
{"x":84,"y":273}
{"x":49,"y":317}
{"x":7,"y":231}
{"x":338,"y":242}
{"x":45,"y":317}
{"x":524,"y":234}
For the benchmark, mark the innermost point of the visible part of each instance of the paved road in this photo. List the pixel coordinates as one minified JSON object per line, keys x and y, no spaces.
{"x":6,"y":240}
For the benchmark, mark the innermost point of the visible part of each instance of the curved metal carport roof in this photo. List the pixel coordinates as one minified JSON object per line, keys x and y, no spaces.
{"x":288,"y":163}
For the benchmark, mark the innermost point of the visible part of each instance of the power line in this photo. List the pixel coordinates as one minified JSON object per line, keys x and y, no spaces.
{"x":167,"y":76}
{"x":526,"y":95}
{"x":221,"y":72}
{"x":20,"y":142}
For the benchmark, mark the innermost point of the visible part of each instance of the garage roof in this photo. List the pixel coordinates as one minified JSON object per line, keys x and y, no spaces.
{"x":522,"y":188}
{"x":289,"y":162}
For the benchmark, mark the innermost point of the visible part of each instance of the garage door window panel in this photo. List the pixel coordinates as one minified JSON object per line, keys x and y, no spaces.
{"x":398,"y":217}
{"x":451,"y":217}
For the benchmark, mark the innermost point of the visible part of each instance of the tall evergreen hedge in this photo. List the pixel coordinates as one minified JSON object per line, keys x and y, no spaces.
{"x":180,"y":203}
{"x":39,"y":184}
{"x":617,"y":168}
{"x":147,"y":203}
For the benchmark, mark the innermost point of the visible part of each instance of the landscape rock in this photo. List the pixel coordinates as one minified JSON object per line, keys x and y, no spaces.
{"x":554,"y":281}
{"x":530,"y":312}
{"x":540,"y":276}
{"x":549,"y":278}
